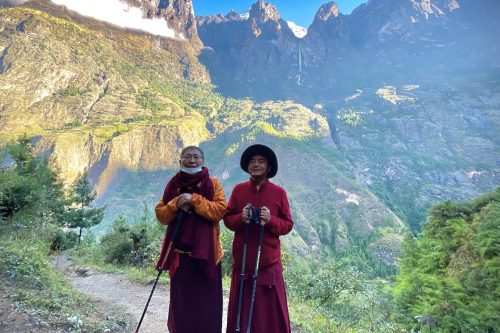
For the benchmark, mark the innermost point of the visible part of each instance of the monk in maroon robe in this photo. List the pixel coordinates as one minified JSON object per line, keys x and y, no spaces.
{"x":270,"y":309}
{"x":194,"y":264}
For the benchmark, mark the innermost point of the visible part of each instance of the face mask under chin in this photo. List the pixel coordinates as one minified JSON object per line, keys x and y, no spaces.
{"x":191,"y":171}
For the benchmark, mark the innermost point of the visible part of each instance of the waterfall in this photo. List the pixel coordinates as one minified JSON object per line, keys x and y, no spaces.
{"x":299,"y":77}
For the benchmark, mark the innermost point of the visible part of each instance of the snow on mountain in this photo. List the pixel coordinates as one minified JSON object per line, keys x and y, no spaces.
{"x":297,"y":30}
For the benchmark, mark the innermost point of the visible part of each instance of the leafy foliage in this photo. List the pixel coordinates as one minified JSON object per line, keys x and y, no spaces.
{"x":449,"y":276}
{"x":147,"y":100}
{"x":28,"y":187}
{"x":350,"y":116}
{"x":334,"y":297}
{"x":132,"y":245}
{"x":71,"y":91}
{"x":227,"y":241}
{"x":63,"y":240}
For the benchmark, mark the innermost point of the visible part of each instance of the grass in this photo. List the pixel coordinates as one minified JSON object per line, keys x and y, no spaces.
{"x":35,"y":288}
{"x":304,"y":318}
{"x":91,"y":256}
{"x":71,"y":91}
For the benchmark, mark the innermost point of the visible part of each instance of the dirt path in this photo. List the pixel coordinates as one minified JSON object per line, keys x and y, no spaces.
{"x":13,"y":321}
{"x":122,"y":296}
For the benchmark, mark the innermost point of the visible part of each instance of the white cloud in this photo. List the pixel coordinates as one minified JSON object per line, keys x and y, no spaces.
{"x":118,"y":13}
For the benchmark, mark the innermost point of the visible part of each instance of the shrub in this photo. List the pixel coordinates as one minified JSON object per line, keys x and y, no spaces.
{"x":227,"y":241}
{"x":63,"y":240}
{"x":116,"y":245}
{"x":136,"y":246}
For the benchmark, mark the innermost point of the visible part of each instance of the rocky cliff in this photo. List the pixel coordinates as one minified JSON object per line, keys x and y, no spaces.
{"x":179,"y":15}
{"x":94,"y":87}
{"x":394,"y":37}
{"x":256,"y":50}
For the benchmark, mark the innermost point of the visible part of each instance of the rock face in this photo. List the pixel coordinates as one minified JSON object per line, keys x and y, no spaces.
{"x":251,"y":51}
{"x":86,"y":93}
{"x":414,"y":144}
{"x":179,"y":15}
{"x":327,"y":40}
{"x":376,"y":37}
{"x":143,"y":148}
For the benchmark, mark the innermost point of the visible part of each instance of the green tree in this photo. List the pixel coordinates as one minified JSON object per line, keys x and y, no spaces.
{"x":28,"y":187}
{"x":449,"y":275}
{"x":79,"y":214}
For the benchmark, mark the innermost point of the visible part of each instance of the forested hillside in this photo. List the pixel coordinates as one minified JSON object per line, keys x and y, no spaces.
{"x":449,"y":278}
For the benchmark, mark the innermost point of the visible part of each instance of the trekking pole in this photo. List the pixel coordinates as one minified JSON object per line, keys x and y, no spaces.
{"x":179,"y":218}
{"x":242,"y":277}
{"x":256,"y":273}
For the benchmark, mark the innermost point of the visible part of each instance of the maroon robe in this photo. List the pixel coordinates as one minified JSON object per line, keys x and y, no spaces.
{"x":195,"y":298}
{"x":270,"y":312}
{"x":195,"y":276}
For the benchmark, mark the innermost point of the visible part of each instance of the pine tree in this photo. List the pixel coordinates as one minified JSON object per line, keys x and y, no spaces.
{"x":79,"y":214}
{"x":29,"y":186}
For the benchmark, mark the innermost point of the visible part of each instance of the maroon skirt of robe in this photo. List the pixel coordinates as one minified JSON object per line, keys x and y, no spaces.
{"x":270,"y":310}
{"x":195,"y":299}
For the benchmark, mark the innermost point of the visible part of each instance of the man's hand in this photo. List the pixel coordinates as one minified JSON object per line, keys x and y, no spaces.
{"x":265,"y":215}
{"x":245,"y":214}
{"x":184,"y":201}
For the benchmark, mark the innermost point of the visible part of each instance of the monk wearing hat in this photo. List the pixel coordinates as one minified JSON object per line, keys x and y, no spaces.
{"x":270,"y":309}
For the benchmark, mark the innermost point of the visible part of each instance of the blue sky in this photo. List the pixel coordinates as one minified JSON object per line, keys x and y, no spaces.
{"x":299,"y":11}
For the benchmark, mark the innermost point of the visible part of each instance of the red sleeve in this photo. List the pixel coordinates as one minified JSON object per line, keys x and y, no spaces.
{"x":283,"y":223}
{"x":232,"y":219}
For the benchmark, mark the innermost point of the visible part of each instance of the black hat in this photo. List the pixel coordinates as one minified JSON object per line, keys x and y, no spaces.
{"x":260,"y":150}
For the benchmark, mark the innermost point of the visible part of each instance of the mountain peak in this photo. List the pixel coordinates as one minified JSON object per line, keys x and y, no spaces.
{"x":263,"y":12}
{"x":327,"y":10}
{"x":233,"y":15}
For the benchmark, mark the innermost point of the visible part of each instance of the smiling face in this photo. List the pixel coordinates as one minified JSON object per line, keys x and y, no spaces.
{"x":258,"y":167}
{"x":191,"y":158}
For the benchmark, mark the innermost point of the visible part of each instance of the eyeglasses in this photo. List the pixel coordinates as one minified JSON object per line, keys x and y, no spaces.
{"x":195,"y":157}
